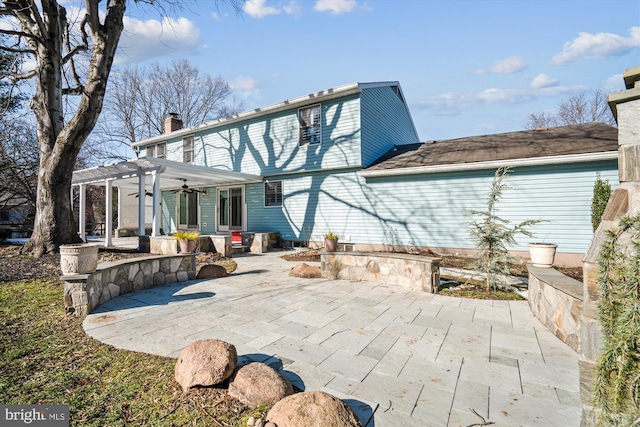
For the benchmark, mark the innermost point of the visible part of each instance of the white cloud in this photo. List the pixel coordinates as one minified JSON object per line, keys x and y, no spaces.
{"x":542,"y":81}
{"x":258,"y":9}
{"x":246,"y":88}
{"x":243,"y":84}
{"x":509,"y":65}
{"x":335,"y":6}
{"x":144,"y":40}
{"x":451,"y":103}
{"x":614,"y":83}
{"x":597,"y":46}
{"x":215,"y":16}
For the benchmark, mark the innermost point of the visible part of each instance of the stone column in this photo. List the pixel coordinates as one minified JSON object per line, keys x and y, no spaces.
{"x":625,"y":200}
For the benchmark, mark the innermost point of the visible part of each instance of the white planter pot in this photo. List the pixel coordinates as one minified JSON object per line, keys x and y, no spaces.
{"x":542,"y":254}
{"x":78,"y":258}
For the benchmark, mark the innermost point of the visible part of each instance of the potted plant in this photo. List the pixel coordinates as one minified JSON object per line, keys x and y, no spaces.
{"x":331,"y":241}
{"x":542,"y":254}
{"x":188,"y":240}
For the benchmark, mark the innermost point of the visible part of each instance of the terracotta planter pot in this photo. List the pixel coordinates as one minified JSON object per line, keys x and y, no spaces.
{"x":188,"y":246}
{"x":330,"y":245}
{"x":78,"y":258}
{"x":542,"y":254}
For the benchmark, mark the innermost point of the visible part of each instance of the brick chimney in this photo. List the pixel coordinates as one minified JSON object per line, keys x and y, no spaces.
{"x":172,"y":123}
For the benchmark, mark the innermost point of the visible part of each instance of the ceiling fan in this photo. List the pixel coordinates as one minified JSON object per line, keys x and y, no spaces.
{"x":146,"y":193}
{"x":185,"y":188}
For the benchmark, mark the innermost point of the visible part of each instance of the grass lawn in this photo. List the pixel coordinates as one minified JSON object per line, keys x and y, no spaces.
{"x":46,"y":358}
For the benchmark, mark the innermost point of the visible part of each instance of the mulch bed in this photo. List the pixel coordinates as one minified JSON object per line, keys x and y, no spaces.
{"x":15,"y":266}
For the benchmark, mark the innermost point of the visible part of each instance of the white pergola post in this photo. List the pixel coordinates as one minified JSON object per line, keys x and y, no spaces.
{"x":108,"y":241}
{"x":155,"y":228}
{"x":141,"y":195}
{"x":82,"y":213}
{"x":119,"y":208}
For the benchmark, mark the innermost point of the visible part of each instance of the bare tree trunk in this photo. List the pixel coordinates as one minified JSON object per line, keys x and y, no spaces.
{"x":54,"y":224}
{"x":60,"y":143}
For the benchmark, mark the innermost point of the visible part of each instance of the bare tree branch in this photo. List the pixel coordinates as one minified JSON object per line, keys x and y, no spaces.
{"x":584,"y":107}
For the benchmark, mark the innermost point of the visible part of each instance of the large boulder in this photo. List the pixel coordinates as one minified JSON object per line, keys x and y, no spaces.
{"x":211,"y":271}
{"x":312,"y":409}
{"x":205,"y":363}
{"x":306,"y":271}
{"x":258,"y":384}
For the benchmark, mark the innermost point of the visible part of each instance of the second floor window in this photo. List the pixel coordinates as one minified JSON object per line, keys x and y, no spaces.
{"x":310,"y":121}
{"x":161,"y":150}
{"x":157,"y":150}
{"x":187,"y":149}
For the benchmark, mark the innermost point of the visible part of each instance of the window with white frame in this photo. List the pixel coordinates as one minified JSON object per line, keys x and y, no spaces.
{"x":161,"y":150}
{"x":310,"y":121}
{"x":157,"y":150}
{"x":187,"y":149}
{"x":273,"y":193}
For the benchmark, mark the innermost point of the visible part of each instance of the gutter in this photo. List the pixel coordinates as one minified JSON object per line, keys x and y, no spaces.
{"x":455,"y":167}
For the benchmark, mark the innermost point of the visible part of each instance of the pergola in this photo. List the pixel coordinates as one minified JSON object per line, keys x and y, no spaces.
{"x":133,"y":175}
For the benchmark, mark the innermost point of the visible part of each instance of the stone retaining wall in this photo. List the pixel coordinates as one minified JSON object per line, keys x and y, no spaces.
{"x":557,"y":301}
{"x":410,"y":271}
{"x":84,"y":292}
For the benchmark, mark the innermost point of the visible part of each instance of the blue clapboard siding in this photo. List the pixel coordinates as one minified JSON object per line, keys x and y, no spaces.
{"x":269,"y":144}
{"x":431,"y":209}
{"x":386,"y":122}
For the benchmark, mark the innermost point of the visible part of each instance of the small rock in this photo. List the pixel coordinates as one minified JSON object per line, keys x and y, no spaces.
{"x":251,"y":421}
{"x":259,"y":384}
{"x":259,"y":422}
{"x":205,"y":363}
{"x":270,"y":424}
{"x":306,"y":271}
{"x":211,"y":271}
{"x":312,"y":409}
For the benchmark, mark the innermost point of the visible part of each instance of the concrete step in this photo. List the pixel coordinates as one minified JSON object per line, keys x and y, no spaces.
{"x":239,"y":249}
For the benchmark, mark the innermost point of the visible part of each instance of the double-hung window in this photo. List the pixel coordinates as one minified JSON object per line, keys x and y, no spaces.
{"x":157,"y":150}
{"x":273,"y":193}
{"x":161,"y":150}
{"x":187,"y":149}
{"x":310,"y":125}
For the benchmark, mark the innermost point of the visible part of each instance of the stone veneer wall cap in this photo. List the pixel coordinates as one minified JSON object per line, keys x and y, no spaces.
{"x":396,"y":255}
{"x":558,"y":281}
{"x":111,"y":264}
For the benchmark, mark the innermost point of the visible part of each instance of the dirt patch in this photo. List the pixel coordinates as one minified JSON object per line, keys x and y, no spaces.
{"x":307,"y":255}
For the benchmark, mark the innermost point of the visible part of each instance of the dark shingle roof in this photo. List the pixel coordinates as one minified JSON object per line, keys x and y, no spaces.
{"x":565,"y":140}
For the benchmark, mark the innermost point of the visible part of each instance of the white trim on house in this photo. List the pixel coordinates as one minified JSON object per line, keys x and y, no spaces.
{"x":454,"y":167}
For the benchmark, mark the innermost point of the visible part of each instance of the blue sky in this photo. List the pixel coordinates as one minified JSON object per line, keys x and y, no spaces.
{"x":465,"y":67}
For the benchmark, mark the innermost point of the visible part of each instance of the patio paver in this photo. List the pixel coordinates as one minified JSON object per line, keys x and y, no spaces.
{"x":399,"y":357}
